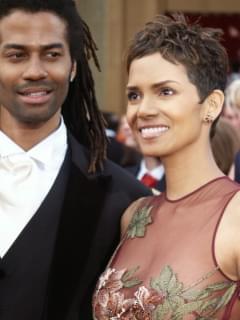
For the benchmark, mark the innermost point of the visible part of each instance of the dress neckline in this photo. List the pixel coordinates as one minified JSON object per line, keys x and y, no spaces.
{"x":194,"y":191}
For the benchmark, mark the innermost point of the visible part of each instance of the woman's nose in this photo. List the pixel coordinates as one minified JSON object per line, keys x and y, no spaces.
{"x":147,"y":107}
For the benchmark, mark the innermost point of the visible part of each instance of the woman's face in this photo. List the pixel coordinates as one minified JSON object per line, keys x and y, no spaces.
{"x":163,"y":106}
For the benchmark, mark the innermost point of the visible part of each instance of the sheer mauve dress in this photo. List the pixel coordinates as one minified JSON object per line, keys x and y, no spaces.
{"x":165,"y":266}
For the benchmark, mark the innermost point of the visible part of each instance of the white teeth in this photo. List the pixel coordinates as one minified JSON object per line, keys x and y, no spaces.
{"x":153,"y":132}
{"x":36,"y":94}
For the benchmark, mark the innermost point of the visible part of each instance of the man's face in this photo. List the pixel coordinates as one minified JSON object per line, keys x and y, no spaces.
{"x":35,"y":67}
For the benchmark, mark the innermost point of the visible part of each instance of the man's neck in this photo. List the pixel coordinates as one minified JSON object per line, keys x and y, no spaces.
{"x":27,"y":136}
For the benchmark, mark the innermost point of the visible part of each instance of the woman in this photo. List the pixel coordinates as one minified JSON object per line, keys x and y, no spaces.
{"x":179,"y":257}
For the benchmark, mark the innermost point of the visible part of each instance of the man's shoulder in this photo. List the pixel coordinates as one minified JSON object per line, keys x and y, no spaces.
{"x":121,"y":178}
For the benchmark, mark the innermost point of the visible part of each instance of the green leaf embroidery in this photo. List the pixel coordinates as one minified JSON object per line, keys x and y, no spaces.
{"x":161,"y":311}
{"x":175,"y":302}
{"x":140,"y":220}
{"x":167,"y":282}
{"x":128,"y":274}
{"x":179,"y":302}
{"x":128,"y":281}
{"x":223,"y":300}
{"x":186,"y":308}
{"x":193,"y":294}
{"x":131,"y":283}
{"x":169,"y":299}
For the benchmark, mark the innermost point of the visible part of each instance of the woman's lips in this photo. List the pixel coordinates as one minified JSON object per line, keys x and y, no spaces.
{"x":153,"y":132}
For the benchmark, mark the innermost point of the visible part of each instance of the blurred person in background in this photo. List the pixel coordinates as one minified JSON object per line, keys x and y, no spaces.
{"x":231,"y":110}
{"x":225,"y":145}
{"x":148,"y":170}
{"x":124,"y":133}
{"x":117,"y":150}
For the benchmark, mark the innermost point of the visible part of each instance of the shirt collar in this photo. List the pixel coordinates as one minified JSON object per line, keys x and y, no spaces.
{"x":110,"y":133}
{"x":52,"y":147}
{"x":156,"y":173}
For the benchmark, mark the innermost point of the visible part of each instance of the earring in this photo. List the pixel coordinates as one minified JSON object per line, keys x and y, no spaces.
{"x":208,"y":118}
{"x":72,"y":77}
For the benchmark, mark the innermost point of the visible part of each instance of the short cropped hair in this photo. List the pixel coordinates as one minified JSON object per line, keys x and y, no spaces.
{"x":195,"y":47}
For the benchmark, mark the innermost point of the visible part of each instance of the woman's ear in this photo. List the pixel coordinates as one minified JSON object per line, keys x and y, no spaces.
{"x":73,"y":71}
{"x":213,"y":105}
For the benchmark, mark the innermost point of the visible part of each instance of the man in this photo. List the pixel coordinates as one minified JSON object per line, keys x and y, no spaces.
{"x":60,"y":205}
{"x":150,"y":172}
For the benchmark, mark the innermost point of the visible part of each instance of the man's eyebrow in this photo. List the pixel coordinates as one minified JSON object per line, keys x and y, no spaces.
{"x":50,"y":46}
{"x":13,"y":46}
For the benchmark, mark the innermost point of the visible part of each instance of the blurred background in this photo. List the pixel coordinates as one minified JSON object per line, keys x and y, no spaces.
{"x":113,"y":22}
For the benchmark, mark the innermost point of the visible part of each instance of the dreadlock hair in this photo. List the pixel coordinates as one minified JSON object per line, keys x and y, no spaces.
{"x":80,"y":108}
{"x":195,"y":47}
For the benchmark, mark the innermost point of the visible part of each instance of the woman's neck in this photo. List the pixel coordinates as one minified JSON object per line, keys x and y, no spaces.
{"x":187,"y":171}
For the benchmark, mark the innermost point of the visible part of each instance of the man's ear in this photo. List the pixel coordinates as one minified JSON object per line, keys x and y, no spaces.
{"x":73,"y":71}
{"x":213,"y":105}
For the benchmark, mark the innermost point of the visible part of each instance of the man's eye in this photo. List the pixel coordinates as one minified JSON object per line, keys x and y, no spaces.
{"x":133,"y":96}
{"x":53,"y":54}
{"x":16,"y":55}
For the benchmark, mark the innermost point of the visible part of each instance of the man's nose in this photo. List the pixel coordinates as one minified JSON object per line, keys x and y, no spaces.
{"x":35,"y":70}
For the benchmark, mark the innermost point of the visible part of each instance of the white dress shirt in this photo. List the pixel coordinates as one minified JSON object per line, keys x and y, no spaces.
{"x":25,"y":180}
{"x":156,"y":173}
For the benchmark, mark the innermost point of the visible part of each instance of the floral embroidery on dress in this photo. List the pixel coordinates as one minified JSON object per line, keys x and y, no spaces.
{"x":165,"y":297}
{"x":109,"y":303}
{"x":141,"y":218}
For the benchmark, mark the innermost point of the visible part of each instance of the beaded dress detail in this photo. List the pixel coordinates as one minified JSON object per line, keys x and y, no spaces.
{"x":165,"y":266}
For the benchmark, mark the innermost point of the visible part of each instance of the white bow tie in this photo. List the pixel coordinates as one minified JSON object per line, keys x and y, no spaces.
{"x":15,"y":173}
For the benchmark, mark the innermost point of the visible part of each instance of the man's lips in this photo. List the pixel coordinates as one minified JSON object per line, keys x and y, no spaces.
{"x":32,"y":90}
{"x":35,"y":95}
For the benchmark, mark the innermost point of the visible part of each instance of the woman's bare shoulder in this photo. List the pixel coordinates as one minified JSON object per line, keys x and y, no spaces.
{"x":129,"y":212}
{"x":231,"y":229}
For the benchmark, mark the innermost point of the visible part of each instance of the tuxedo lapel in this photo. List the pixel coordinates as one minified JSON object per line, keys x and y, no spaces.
{"x":83,"y":201}
{"x":161,"y":185}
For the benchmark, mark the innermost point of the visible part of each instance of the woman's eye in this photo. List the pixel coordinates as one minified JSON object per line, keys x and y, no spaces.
{"x":133,"y":96}
{"x":166,"y":92}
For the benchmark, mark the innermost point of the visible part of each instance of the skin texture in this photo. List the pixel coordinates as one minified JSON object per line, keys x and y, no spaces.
{"x":35,"y":60}
{"x":158,"y":100}
{"x":160,"y":95}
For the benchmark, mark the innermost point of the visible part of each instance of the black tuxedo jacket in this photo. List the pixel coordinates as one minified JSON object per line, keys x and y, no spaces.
{"x":88,"y":232}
